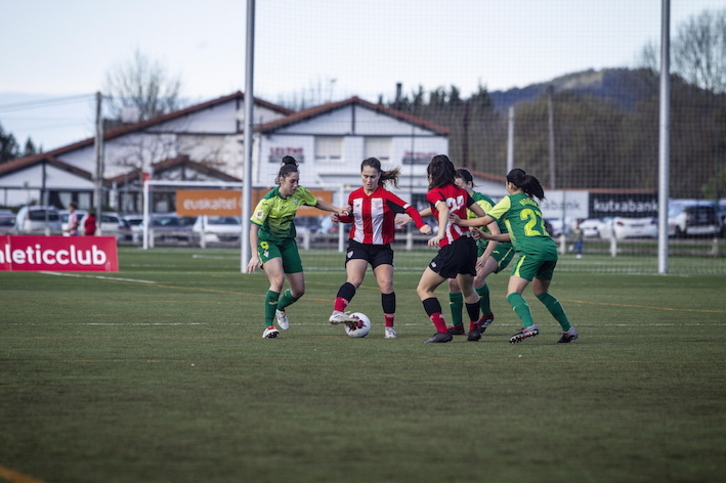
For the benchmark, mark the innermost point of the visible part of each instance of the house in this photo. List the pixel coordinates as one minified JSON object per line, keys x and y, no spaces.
{"x":204,"y":142}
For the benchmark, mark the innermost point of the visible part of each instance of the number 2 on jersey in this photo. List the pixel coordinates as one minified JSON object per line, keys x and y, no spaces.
{"x":535,"y":224}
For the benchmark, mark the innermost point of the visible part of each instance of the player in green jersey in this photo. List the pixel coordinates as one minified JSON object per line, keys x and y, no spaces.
{"x":272,"y":239}
{"x":537,"y":252}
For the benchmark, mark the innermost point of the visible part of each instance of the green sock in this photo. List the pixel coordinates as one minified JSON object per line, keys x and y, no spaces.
{"x":484,"y":302}
{"x":520,"y":308}
{"x":456,"y":304}
{"x":270,"y":307}
{"x":285,"y":300}
{"x":555,"y":308}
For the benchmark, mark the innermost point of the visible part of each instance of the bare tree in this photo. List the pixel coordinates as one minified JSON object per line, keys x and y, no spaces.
{"x":143,"y":84}
{"x":698,"y":51}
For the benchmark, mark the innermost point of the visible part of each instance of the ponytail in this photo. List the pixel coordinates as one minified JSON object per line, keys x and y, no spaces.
{"x":527,"y":183}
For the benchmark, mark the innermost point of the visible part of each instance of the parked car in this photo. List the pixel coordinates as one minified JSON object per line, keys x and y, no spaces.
{"x":172,"y":227}
{"x":7,"y":222}
{"x":113,"y":224}
{"x":218,"y":228}
{"x":38,"y":219}
{"x":591,"y":227}
{"x":307,"y":224}
{"x":693,"y":219}
{"x":622,"y":228}
{"x":80,"y":215}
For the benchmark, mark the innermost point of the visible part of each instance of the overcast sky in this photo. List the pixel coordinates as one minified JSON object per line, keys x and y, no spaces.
{"x":323,"y":48}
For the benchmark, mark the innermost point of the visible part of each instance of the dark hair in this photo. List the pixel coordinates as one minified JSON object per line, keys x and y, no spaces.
{"x":465,"y":175}
{"x":527,"y":183}
{"x":386,"y":176}
{"x":441,"y":170}
{"x":289,"y":166}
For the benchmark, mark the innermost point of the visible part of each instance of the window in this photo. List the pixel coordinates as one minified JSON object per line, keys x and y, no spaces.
{"x":328,"y":148}
{"x":378,"y":147}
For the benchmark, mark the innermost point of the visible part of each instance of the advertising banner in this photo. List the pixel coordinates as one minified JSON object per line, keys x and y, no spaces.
{"x":229,"y":202}
{"x":58,"y":253}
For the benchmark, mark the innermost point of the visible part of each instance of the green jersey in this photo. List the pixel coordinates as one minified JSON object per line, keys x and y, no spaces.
{"x":275,"y":214}
{"x":486,"y":204}
{"x":524,"y":221}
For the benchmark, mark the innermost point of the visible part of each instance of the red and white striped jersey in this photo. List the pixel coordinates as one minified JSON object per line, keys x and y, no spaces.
{"x":373,"y":215}
{"x":457,"y":200}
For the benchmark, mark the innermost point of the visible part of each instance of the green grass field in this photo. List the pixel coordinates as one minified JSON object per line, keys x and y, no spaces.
{"x":159,"y":373}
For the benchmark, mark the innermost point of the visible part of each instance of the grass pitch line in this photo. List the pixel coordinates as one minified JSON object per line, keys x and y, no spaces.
{"x":17,"y":477}
{"x":99,"y":277}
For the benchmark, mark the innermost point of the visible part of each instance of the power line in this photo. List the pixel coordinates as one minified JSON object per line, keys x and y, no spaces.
{"x":18,"y":106}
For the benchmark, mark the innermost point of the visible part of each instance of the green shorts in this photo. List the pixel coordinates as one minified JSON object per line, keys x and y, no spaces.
{"x":287,"y":250}
{"x":528,"y":267}
{"x":503,"y":254}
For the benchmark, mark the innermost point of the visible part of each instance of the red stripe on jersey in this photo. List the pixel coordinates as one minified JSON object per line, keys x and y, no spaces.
{"x":373,"y":217}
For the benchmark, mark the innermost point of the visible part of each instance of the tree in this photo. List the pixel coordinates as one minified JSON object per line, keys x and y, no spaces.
{"x":9,"y":149}
{"x":698,"y":51}
{"x":144,"y":84}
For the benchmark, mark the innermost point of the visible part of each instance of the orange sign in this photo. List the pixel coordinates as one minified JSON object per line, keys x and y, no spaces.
{"x":229,"y":202}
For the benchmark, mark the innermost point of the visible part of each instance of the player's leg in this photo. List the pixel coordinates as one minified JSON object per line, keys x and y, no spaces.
{"x":276,"y":276}
{"x":293,"y":268}
{"x":356,"y":264}
{"x":384,"y":277}
{"x":425,"y":291}
{"x":456,"y":305}
{"x":540,"y":288}
{"x":522,"y":274}
{"x":471,"y":299}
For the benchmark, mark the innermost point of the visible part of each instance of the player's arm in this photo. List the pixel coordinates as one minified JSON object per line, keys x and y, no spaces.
{"x":254,"y":239}
{"x":443,"y":220}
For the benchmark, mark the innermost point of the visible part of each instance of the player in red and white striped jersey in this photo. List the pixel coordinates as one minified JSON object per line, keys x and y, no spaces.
{"x":372,"y":211}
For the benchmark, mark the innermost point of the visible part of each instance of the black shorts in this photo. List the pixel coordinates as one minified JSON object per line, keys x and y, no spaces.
{"x":459,"y":257}
{"x":375,"y":255}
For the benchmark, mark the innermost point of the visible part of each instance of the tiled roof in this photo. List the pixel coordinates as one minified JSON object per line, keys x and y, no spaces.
{"x":171,"y":163}
{"x":28,"y":161}
{"x":332,"y":106}
{"x":130,"y":128}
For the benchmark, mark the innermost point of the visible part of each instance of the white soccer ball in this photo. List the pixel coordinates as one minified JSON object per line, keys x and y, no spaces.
{"x":363,"y":327}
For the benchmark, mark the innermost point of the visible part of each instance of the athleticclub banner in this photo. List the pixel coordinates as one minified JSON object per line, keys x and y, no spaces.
{"x":58,"y":253}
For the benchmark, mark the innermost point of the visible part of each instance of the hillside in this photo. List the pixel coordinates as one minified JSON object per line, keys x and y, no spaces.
{"x":625,"y":87}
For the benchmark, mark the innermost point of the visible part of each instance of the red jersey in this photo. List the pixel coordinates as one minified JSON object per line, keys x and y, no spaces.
{"x":458,"y":200}
{"x":373,"y":216}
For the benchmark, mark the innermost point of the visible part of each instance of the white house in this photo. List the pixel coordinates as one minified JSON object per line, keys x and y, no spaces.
{"x":205,"y":142}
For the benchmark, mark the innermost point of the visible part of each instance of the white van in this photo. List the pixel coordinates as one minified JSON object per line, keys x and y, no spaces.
{"x":38,"y":220}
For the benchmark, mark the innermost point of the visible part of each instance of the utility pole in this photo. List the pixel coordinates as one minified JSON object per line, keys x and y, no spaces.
{"x":550,"y":91}
{"x":510,"y":140}
{"x":98,"y":194}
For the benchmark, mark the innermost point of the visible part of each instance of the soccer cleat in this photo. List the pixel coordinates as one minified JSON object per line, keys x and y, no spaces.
{"x":343,"y":318}
{"x":390,"y":333}
{"x":270,"y":333}
{"x":474,"y":335}
{"x":282,"y":319}
{"x":484,"y":322}
{"x":439,"y":337}
{"x":456,"y":330}
{"x":568,"y":336}
{"x":530,"y":331}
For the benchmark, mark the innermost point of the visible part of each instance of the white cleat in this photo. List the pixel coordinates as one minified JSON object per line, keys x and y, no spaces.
{"x":270,"y":333}
{"x":282,"y":319}
{"x":391,"y":333}
{"x":342,"y":318}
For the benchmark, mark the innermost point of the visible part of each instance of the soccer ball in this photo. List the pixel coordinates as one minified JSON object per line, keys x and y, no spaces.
{"x":363,"y":327}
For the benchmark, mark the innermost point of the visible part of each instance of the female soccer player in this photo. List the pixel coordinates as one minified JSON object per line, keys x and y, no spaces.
{"x":372,"y":210}
{"x":457,"y":249}
{"x":492,"y":257}
{"x":272,"y":239}
{"x":537,"y":252}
